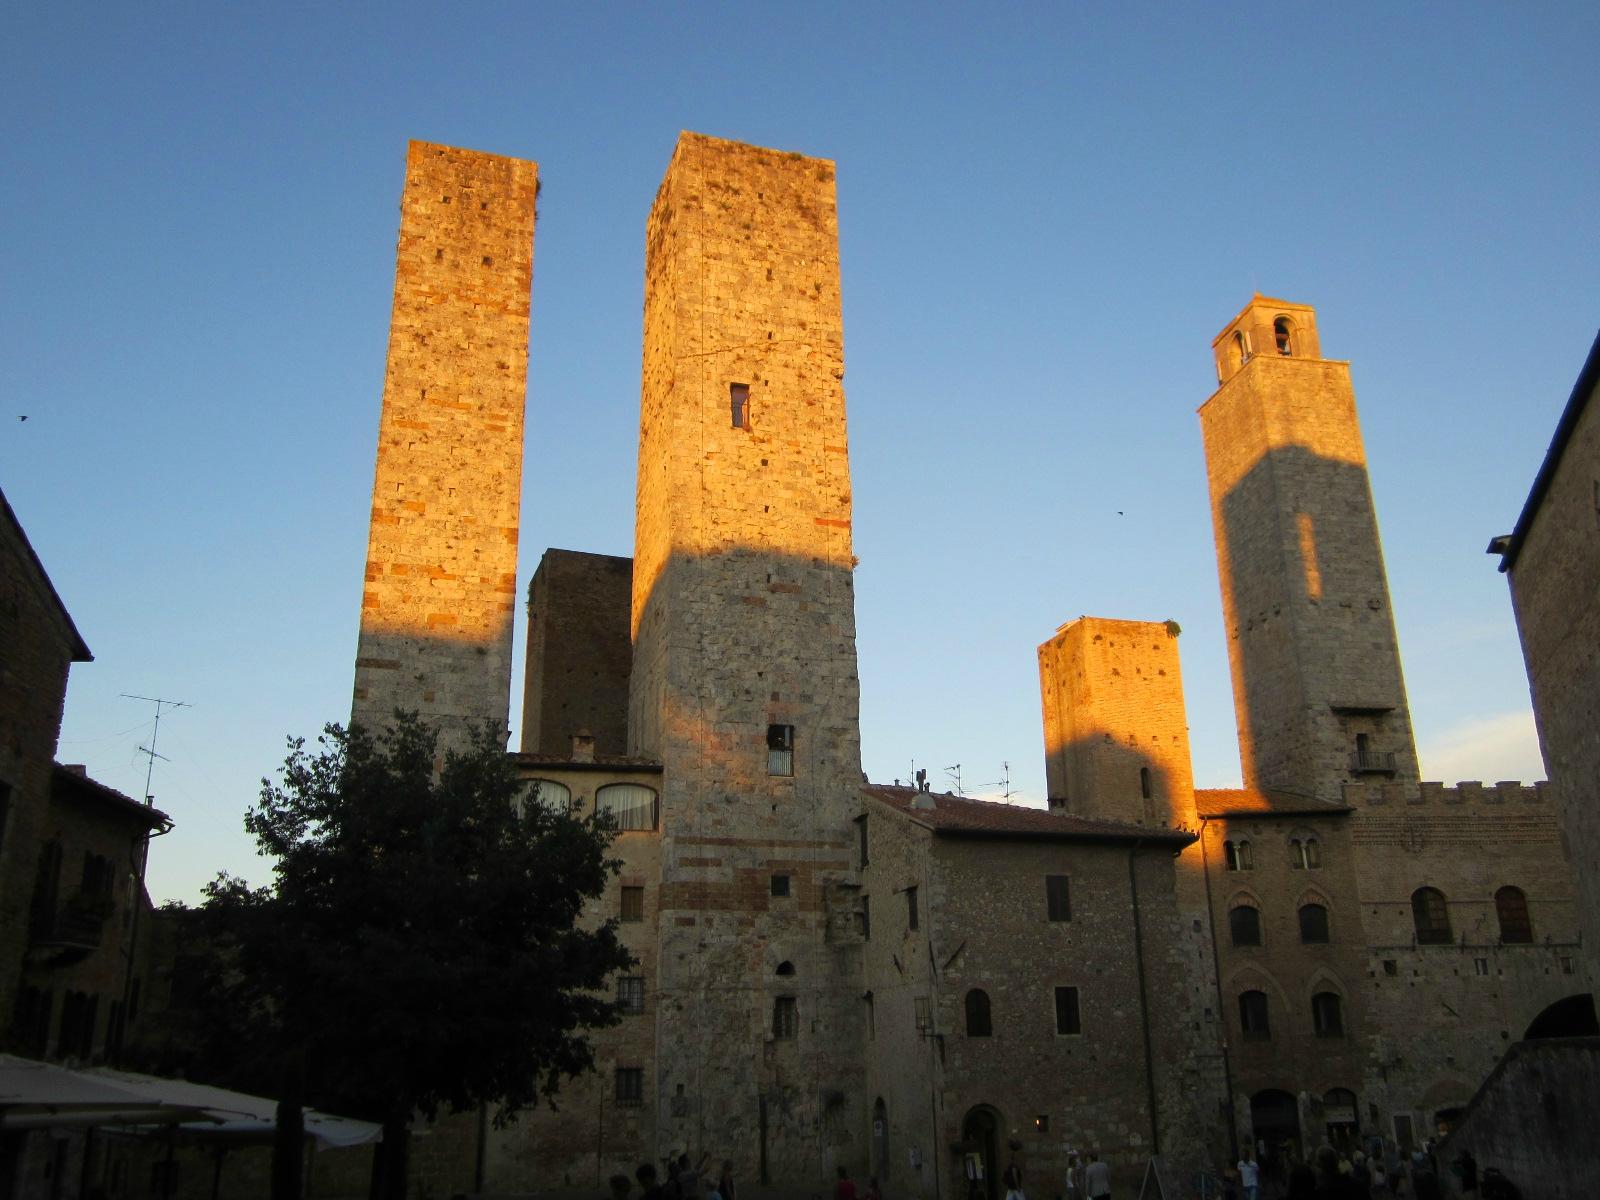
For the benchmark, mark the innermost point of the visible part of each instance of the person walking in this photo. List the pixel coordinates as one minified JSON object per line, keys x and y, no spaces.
{"x":845,"y":1188}
{"x":1097,"y":1177}
{"x":1249,"y":1175}
{"x":725,"y":1181}
{"x":1013,"y":1181}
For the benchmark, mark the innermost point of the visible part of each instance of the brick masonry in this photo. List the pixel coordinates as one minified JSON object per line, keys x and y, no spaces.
{"x":440,"y":594}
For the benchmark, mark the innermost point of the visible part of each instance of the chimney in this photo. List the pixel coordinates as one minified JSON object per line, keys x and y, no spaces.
{"x":583,"y":746}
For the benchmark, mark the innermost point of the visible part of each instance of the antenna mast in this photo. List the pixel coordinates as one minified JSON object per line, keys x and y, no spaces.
{"x":150,"y":750}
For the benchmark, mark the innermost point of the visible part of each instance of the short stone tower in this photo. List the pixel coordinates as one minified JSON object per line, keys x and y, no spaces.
{"x":1316,"y":665}
{"x":440,"y":592}
{"x":744,"y":676}
{"x":1116,"y":734}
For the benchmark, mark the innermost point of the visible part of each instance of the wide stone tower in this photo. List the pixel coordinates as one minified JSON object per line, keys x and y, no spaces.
{"x":1317,"y":685}
{"x":440,"y":594}
{"x":744,"y":677}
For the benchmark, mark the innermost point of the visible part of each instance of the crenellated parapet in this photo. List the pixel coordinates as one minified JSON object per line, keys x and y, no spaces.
{"x":1471,"y":792}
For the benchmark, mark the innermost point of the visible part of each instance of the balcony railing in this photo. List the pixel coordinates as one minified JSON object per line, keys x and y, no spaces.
{"x":1373,"y":762}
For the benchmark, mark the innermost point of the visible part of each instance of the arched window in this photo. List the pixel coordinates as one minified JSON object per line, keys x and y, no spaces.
{"x":1511,"y":906}
{"x":1305,"y":853}
{"x":1236,"y":855}
{"x":978,"y":1022}
{"x":785,"y":968}
{"x":1244,"y":923}
{"x":1327,"y":1014}
{"x":1283,"y":334}
{"x":550,"y":796}
{"x":1431,"y":917}
{"x":1241,"y":347}
{"x":1313,"y":923}
{"x":1144,"y":782}
{"x":1253,"y":1015}
{"x":632,"y":804}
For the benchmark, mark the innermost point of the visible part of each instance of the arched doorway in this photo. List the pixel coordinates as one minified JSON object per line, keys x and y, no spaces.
{"x":1275,"y":1120}
{"x":980,"y":1140}
{"x":880,"y":1140}
{"x":1572,"y":1017}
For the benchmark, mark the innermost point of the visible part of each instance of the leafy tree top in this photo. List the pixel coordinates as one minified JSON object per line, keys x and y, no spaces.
{"x":421,"y":942}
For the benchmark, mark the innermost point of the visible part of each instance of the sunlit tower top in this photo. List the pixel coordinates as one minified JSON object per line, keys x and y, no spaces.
{"x":1317,"y":684}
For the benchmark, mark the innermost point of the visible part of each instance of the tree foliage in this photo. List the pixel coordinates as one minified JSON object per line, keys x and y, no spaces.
{"x":421,"y":945}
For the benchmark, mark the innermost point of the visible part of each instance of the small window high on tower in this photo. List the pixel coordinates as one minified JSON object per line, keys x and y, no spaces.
{"x":1282,"y":334}
{"x":780,"y":749}
{"x":739,"y":402}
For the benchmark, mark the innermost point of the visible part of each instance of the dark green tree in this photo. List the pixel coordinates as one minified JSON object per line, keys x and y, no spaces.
{"x":421,"y":945}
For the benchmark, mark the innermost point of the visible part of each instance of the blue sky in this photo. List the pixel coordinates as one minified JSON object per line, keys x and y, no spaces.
{"x":1046,"y":214}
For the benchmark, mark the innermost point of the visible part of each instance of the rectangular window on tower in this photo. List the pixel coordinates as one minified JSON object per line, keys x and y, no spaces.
{"x":632,"y":903}
{"x":739,"y":403}
{"x":780,"y":749}
{"x":911,"y":908}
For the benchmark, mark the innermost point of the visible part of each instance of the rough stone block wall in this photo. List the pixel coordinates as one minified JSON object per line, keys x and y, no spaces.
{"x":440,"y":593}
{"x":743,"y":616}
{"x":580,"y":652}
{"x":988,"y":928}
{"x":1533,"y":1120}
{"x":1446,"y":1013}
{"x":1554,"y":582}
{"x":1314,"y":655}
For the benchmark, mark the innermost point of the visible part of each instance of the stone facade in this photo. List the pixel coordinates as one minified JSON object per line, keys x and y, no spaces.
{"x":1316,"y":663}
{"x":579,"y":653}
{"x":744,"y":674}
{"x":441,"y":582}
{"x":1247,"y":963}
{"x":75,"y":948}
{"x":1553,"y":563}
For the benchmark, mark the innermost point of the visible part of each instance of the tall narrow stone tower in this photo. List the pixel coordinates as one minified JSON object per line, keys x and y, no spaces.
{"x":440,"y":594}
{"x":1316,"y":666}
{"x":1115,"y":730}
{"x":744,"y":678}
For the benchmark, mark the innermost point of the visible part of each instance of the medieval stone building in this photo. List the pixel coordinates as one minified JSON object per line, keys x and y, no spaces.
{"x":919,"y":986}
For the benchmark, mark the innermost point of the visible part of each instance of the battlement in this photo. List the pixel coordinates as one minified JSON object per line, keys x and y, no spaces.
{"x":1468,"y":791}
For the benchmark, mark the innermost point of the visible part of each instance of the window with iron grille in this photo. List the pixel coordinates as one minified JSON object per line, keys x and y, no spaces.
{"x":785,"y":1018}
{"x":632,"y":903}
{"x":630,"y":995}
{"x":630,"y":1086}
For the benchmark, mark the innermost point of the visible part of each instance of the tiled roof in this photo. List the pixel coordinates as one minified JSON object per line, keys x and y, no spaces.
{"x":1254,"y":802}
{"x":74,"y":780}
{"x":962,"y":816}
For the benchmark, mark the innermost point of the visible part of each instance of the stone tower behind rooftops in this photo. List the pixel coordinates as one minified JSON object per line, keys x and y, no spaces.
{"x":744,"y":678}
{"x":440,"y":593}
{"x":1316,"y":666}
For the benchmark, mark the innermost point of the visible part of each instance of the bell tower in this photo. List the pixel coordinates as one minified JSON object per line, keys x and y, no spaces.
{"x":1318,"y":691}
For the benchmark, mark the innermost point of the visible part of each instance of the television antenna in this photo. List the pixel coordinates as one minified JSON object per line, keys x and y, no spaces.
{"x":150,"y":751}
